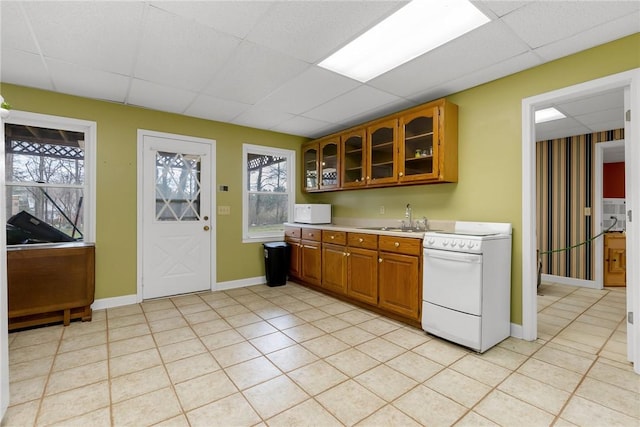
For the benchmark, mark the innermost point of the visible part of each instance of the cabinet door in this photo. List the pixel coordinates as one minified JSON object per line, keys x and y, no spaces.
{"x":418,"y":146}
{"x":399,"y":284}
{"x":353,"y":159}
{"x":294,"y":261}
{"x":615,"y":260}
{"x":310,"y":167}
{"x":334,"y":268}
{"x":311,"y":262}
{"x":382,"y":147}
{"x":329,"y":164}
{"x":362,"y":275}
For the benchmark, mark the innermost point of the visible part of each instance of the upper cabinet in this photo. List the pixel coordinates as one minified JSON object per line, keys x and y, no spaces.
{"x":415,"y":146}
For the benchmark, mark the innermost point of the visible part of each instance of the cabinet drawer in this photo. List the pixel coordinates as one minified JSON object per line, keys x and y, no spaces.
{"x":292,"y":232}
{"x":401,"y":245}
{"x":363,"y":240}
{"x":336,"y":237}
{"x":312,"y":234}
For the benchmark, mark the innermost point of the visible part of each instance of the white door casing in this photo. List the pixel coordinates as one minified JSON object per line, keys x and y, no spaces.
{"x":176,"y":228}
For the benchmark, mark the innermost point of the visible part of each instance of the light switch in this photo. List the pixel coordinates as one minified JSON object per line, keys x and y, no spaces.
{"x":587,"y":211}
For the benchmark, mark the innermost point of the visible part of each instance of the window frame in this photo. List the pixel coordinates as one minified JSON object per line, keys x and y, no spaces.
{"x":291,"y":189}
{"x":89,"y":129}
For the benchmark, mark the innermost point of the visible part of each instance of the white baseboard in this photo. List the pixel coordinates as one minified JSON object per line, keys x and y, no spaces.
{"x":516,"y":331}
{"x":101,"y":304}
{"x":571,"y":281}
{"x":240,"y":283}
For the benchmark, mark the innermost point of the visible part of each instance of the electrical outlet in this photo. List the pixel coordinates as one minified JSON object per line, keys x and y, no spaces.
{"x":381,"y":210}
{"x":224,"y":210}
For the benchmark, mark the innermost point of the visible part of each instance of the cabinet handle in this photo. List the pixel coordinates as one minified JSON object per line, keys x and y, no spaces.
{"x":401,"y":174}
{"x":310,"y":234}
{"x":379,"y":259}
{"x":396,"y":244}
{"x":333,"y":237}
{"x":348,"y":253}
{"x":345,"y":254}
{"x":367,"y":177}
{"x":360,"y":240}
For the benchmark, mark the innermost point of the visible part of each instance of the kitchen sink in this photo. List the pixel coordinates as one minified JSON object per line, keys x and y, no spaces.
{"x":396,"y":229}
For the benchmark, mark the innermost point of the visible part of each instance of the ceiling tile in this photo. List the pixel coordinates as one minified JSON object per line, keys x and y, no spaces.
{"x":311,"y":30}
{"x":232,"y":17}
{"x":265,"y":119}
{"x":600,"y":102}
{"x":96,"y":34}
{"x":179,"y":52}
{"x":14,"y":29}
{"x":89,"y":83}
{"x":159,"y":97}
{"x":252,"y":73}
{"x":208,"y":107}
{"x":23,"y":68}
{"x":598,"y":120}
{"x":542,"y":23}
{"x":484,"y":46}
{"x":498,"y":7}
{"x":313,"y":87}
{"x":304,"y":126}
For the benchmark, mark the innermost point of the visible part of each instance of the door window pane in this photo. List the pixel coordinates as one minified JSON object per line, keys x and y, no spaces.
{"x":177,"y":187}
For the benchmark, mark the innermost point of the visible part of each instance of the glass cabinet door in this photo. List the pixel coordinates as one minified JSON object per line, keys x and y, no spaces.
{"x":329,"y":163}
{"x":382,"y":152}
{"x":353,"y":159}
{"x":310,"y":164}
{"x":418,"y":146}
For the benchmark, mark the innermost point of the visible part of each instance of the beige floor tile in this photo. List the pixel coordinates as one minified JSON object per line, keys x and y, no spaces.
{"x":429,"y":407}
{"x":125,"y":310}
{"x":353,"y":335}
{"x":21,"y":415}
{"x":82,"y":341}
{"x":211,"y":327}
{"x":473,"y":419}
{"x":184,"y":300}
{"x":458,"y":387}
{"x":80,"y":357}
{"x":385,"y":382}
{"x":122,"y":321}
{"x":378,"y":326}
{"x":407,"y":338}
{"x":167,"y":324}
{"x":139,"y":382}
{"x":177,"y":421}
{"x":69,"y":404}
{"x":130,"y":331}
{"x":503,"y":357}
{"x":483,"y":371}
{"x":272,"y":342}
{"x":233,"y":410}
{"x":181,"y":350}
{"x":506,"y":410}
{"x":231,"y":310}
{"x":191,"y":367}
{"x":26,"y":390}
{"x":134,"y":362}
{"x":201,"y":316}
{"x":252,"y":372}
{"x":156,"y":305}
{"x":146,"y":409}
{"x":317,"y":377}
{"x":381,"y":349}
{"x":563,"y":359}
{"x":174,"y":335}
{"x":294,"y":307}
{"x":33,"y":368}
{"x":350,"y":402}
{"x":98,"y":418}
{"x":611,"y":396}
{"x":574,"y":344}
{"x":584,"y":412}
{"x":307,"y":413}
{"x":222,"y":339}
{"x":274,"y":396}
{"x":388,"y":416}
{"x":555,"y":376}
{"x":441,"y":352}
{"x":291,"y":358}
{"x":33,"y":352}
{"x":623,"y":378}
{"x":538,"y":394}
{"x":287,"y":321}
{"x":84,"y":328}
{"x":415,"y":366}
{"x":356,"y":317}
{"x":204,"y":389}
{"x":336,"y":308}
{"x":325,"y":345}
{"x":38,"y":336}
{"x":269,"y":313}
{"x":131,"y":345}
{"x":243,"y":319}
{"x":77,"y":377}
{"x":352,"y":362}
{"x":236,"y":353}
{"x":312,"y":315}
{"x":303,"y":333}
{"x":256,"y":329}
{"x":330,"y":324}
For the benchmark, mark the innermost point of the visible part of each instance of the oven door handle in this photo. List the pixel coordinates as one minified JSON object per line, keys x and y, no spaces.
{"x":454,"y":256}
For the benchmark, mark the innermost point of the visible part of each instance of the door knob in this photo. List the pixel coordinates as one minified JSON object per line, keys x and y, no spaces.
{"x":206,"y":228}
{"x":206,"y":218}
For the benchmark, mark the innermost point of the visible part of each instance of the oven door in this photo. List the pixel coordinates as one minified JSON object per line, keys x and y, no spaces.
{"x":453,"y":280}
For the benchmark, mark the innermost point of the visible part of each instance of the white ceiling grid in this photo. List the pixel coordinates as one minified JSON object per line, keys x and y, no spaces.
{"x":254,"y":63}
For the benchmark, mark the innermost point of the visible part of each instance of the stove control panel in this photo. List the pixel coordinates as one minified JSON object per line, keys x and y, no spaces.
{"x":457,"y":243}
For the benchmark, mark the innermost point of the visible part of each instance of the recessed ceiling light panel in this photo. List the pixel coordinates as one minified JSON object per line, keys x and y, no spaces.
{"x":420,"y":26}
{"x":548,"y":114}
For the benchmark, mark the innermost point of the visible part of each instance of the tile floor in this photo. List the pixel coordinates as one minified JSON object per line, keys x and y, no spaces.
{"x":289,"y":356}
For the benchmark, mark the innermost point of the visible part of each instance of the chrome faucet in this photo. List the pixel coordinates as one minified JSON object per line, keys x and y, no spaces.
{"x":408,"y":214}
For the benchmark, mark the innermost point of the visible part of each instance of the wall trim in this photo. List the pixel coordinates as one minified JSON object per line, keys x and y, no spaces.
{"x":240,"y":283}
{"x":516,"y":331}
{"x":571,"y":281}
{"x":101,"y":304}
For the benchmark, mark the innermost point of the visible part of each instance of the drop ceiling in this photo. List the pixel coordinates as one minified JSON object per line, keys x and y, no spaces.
{"x":254,"y":63}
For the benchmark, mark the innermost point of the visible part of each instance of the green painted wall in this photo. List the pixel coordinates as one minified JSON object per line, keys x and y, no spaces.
{"x":490,"y":173}
{"x":117,"y":127}
{"x":489,"y":187}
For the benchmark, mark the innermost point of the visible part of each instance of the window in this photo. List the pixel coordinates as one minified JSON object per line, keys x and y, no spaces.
{"x":46,"y":174}
{"x":269,"y":191}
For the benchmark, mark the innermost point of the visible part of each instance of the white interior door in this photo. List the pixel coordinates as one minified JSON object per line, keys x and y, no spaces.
{"x":176,"y":215}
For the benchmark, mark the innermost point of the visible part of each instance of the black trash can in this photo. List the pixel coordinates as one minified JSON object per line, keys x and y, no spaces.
{"x":276,"y":263}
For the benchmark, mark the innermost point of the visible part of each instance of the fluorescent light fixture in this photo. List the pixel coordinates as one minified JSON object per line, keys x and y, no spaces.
{"x":420,"y":26}
{"x":548,"y":114}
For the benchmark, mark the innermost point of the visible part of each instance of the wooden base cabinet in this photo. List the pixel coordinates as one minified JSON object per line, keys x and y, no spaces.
{"x":292,"y":237}
{"x":615,"y":259}
{"x":311,"y":256}
{"x":334,"y":268}
{"x":362,"y":275}
{"x":399,"y":274}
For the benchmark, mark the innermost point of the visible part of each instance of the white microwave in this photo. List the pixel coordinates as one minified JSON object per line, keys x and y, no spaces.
{"x":312,"y":213}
